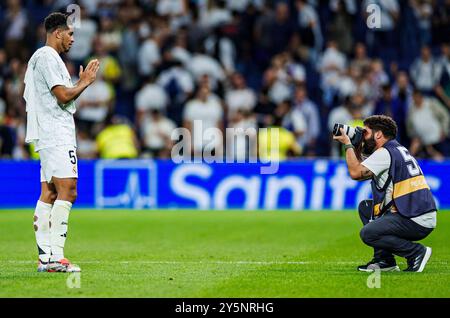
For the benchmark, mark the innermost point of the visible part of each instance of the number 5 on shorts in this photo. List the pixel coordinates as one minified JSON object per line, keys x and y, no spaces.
{"x":73,"y":157}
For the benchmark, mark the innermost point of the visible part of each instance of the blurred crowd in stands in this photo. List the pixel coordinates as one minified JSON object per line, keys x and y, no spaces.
{"x":299,"y":65}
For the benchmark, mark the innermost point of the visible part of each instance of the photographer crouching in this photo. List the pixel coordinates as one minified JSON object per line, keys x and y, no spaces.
{"x":402,"y":210}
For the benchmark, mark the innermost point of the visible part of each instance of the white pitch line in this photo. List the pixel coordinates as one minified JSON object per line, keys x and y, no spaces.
{"x":217,"y":262}
{"x":212,"y":262}
{"x":194,"y":262}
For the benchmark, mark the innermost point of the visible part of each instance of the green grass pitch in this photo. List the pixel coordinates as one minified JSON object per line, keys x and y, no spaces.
{"x":213,"y":254}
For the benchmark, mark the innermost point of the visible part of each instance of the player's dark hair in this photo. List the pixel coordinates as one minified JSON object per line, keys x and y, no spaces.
{"x":382,"y":123}
{"x":56,"y":20}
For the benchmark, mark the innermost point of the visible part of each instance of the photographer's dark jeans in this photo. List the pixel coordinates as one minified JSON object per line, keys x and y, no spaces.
{"x":391,"y":233}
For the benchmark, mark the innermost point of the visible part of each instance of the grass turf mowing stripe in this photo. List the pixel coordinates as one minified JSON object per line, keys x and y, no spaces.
{"x":213,"y":254}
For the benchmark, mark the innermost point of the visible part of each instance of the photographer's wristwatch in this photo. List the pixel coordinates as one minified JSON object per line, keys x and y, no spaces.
{"x":348,"y":146}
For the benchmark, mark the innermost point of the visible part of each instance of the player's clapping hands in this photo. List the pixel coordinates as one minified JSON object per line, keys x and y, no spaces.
{"x":89,"y":74}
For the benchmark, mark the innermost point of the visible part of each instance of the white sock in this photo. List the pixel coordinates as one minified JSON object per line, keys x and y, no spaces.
{"x":41,"y":230}
{"x":59,"y":218}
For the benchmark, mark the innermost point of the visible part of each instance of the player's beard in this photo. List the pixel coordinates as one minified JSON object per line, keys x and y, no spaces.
{"x":67,"y":48}
{"x":369,"y":146}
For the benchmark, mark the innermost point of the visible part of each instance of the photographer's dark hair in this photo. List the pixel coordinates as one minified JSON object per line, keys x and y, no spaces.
{"x":382,"y":123}
{"x":55,"y":20}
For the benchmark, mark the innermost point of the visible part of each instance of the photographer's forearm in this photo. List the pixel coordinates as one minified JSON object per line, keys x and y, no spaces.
{"x":352,"y":161}
{"x":356,"y":170}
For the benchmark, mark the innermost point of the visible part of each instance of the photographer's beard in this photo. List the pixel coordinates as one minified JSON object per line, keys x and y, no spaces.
{"x":369,"y":145}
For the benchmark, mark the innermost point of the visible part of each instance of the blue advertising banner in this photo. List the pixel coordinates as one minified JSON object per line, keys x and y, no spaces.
{"x":146,"y":184}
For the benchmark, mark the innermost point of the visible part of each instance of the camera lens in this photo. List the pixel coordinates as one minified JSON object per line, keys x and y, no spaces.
{"x":336,"y":129}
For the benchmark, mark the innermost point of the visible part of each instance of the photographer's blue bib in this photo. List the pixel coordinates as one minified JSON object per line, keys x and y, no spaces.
{"x":411,"y":194}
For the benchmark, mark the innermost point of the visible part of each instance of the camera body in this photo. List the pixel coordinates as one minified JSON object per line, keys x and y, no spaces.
{"x":355,"y":134}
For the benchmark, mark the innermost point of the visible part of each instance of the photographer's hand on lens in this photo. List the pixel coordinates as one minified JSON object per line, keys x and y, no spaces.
{"x":343,"y":138}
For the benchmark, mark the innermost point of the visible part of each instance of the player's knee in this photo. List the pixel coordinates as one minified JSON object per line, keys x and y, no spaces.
{"x":53,"y":196}
{"x":68,"y":194}
{"x":48,"y":197}
{"x":73,"y":194}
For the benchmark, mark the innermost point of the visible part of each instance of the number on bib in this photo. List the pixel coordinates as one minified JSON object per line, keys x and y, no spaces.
{"x":411,"y":162}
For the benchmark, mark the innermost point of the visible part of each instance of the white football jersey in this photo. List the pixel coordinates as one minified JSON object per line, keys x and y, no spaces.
{"x":55,"y":123}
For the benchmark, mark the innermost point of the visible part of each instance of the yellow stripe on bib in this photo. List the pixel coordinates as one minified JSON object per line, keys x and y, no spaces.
{"x":410,"y":185}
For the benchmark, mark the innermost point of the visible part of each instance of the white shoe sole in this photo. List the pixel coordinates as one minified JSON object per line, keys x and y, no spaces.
{"x":425,"y":259}
{"x":387,"y":269}
{"x":63,"y":269}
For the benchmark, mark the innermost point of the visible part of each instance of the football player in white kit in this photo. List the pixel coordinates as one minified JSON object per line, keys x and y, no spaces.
{"x":50,"y":94}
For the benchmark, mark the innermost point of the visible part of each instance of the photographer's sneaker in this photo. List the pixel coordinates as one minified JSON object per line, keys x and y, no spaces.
{"x":418,"y":262}
{"x":63,"y":266}
{"x":382,"y":265}
{"x":42,"y":266}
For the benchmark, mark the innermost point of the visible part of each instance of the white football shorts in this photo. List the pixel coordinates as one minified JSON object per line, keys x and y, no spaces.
{"x":58,"y":162}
